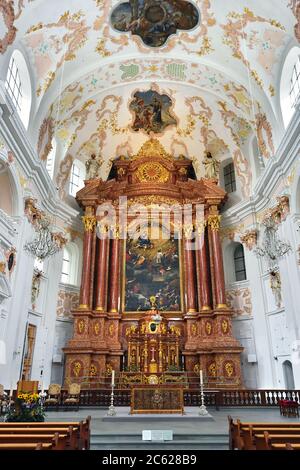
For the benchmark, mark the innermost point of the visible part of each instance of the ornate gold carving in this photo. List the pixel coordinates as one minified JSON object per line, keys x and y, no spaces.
{"x":80,"y":326}
{"x":208,"y":328}
{"x":196,"y":368}
{"x":229,"y":369}
{"x":89,"y":222}
{"x":175,"y":330}
{"x":2,"y":267}
{"x":250,"y":239}
{"x":76,"y":368}
{"x":212,"y":369}
{"x":152,"y":148}
{"x":96,"y":328}
{"x":152,"y":172}
{"x":131,"y":330}
{"x":194,"y":329}
{"x":152,"y":201}
{"x":214,"y":222}
{"x":225,"y":326}
{"x":93,"y":370}
{"x":111,"y":329}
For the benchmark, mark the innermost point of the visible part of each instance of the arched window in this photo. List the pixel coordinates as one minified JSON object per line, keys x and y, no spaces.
{"x":66,"y":267}
{"x":290,"y":85}
{"x":77,"y":177}
{"x":229,"y":178}
{"x":18,"y":86}
{"x":239,"y":263}
{"x":70,"y":264}
{"x":295,"y":84}
{"x":51,"y":159}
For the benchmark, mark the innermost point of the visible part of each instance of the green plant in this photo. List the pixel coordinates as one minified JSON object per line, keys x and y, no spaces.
{"x":27,"y":407}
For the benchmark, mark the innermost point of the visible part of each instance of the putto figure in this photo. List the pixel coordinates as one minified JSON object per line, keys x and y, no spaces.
{"x":92,"y":166}
{"x":212,"y":166}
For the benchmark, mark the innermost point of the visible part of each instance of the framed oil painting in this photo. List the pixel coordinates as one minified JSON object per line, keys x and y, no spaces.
{"x":152,"y":111}
{"x":152,"y":268}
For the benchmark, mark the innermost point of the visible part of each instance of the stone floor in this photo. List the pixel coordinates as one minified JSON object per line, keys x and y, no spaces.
{"x":188,"y":434}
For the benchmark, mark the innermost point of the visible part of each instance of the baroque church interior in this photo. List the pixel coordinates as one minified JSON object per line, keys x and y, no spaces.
{"x":150,"y":201}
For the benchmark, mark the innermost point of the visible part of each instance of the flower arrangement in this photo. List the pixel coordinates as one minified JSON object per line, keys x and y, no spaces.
{"x":27,"y":407}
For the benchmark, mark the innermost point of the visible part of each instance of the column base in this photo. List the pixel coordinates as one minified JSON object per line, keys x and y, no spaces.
{"x":83,"y":307}
{"x":222,"y":307}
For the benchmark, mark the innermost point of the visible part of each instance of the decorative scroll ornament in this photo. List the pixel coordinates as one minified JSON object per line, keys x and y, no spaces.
{"x":214,"y":222}
{"x":272,"y":247}
{"x":250,"y":239}
{"x":89,"y":222}
{"x":152,"y":172}
{"x":46,"y":243}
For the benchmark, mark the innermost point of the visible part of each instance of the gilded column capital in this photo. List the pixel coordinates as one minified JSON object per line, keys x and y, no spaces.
{"x":214,"y":222}
{"x":188,"y":230}
{"x":89,"y":222}
{"x":200,"y":227}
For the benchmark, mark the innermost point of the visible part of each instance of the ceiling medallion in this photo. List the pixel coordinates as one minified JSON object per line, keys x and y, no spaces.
{"x":151,"y":172}
{"x":152,"y":111}
{"x":154,"y":20}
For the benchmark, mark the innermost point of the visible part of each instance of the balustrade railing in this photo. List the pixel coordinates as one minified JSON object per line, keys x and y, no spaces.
{"x":215,"y":398}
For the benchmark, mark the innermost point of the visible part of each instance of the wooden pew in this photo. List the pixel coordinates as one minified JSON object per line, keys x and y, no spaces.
{"x":84,"y":428}
{"x":238,"y":430}
{"x":286,"y":446}
{"x":264,"y":441}
{"x":73,"y":440}
{"x":249,"y":432}
{"x":26,"y":446}
{"x":57,"y":441}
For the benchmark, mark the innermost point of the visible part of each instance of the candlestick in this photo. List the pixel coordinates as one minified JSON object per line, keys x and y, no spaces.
{"x":112,"y":377}
{"x":203,"y":411}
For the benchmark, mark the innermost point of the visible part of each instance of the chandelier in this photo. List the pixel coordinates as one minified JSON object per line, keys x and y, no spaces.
{"x":45,"y":243}
{"x":272,"y":247}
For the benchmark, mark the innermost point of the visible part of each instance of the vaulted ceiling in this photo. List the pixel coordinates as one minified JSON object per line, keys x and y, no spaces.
{"x":221,"y":72}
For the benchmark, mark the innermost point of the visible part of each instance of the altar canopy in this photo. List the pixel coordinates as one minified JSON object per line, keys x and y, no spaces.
{"x":152,"y":250}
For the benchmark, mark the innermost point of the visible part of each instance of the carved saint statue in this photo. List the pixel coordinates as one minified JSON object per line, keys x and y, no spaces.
{"x":275,"y":283}
{"x":212,"y":166}
{"x":92,"y":166}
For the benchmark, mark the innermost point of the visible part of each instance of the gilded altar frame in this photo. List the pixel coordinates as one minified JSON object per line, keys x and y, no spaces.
{"x":169,"y":314}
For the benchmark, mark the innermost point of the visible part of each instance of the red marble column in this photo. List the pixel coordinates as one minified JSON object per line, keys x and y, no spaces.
{"x":203,"y":278}
{"x":190,"y":284}
{"x":103,"y":246}
{"x":216,"y":250}
{"x":114,"y":281}
{"x":89,"y":221}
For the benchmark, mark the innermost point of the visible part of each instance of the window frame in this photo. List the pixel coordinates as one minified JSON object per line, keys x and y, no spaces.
{"x":12,"y":82}
{"x":295,"y":83}
{"x":238,"y":271}
{"x":229,"y":178}
{"x":74,"y":187}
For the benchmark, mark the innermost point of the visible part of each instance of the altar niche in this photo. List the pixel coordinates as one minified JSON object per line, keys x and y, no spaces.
{"x":152,"y":268}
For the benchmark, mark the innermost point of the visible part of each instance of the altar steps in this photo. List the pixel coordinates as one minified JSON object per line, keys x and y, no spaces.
{"x":180,"y":442}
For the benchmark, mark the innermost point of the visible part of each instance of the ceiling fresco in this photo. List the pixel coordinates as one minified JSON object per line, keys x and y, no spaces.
{"x":90,"y":60}
{"x":154,"y":21}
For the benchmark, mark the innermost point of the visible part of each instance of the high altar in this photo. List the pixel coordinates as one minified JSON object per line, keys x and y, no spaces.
{"x":187,"y":327}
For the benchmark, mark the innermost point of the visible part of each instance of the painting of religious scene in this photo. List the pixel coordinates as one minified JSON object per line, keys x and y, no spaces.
{"x":152,"y":269}
{"x":152,"y":111}
{"x":154,"y":20}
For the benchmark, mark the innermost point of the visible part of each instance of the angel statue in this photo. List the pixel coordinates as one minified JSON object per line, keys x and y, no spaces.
{"x":92,"y":166}
{"x":212,"y":166}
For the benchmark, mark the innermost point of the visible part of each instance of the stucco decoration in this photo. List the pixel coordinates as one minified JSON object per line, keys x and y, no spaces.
{"x":7,"y":15}
{"x":240,"y":27}
{"x":264,"y":135}
{"x":63,"y":174}
{"x":46,"y":134}
{"x":64,"y":36}
{"x":67,"y":301}
{"x":154,"y":21}
{"x":239,"y":300}
{"x":152,"y":111}
{"x":295,"y":6}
